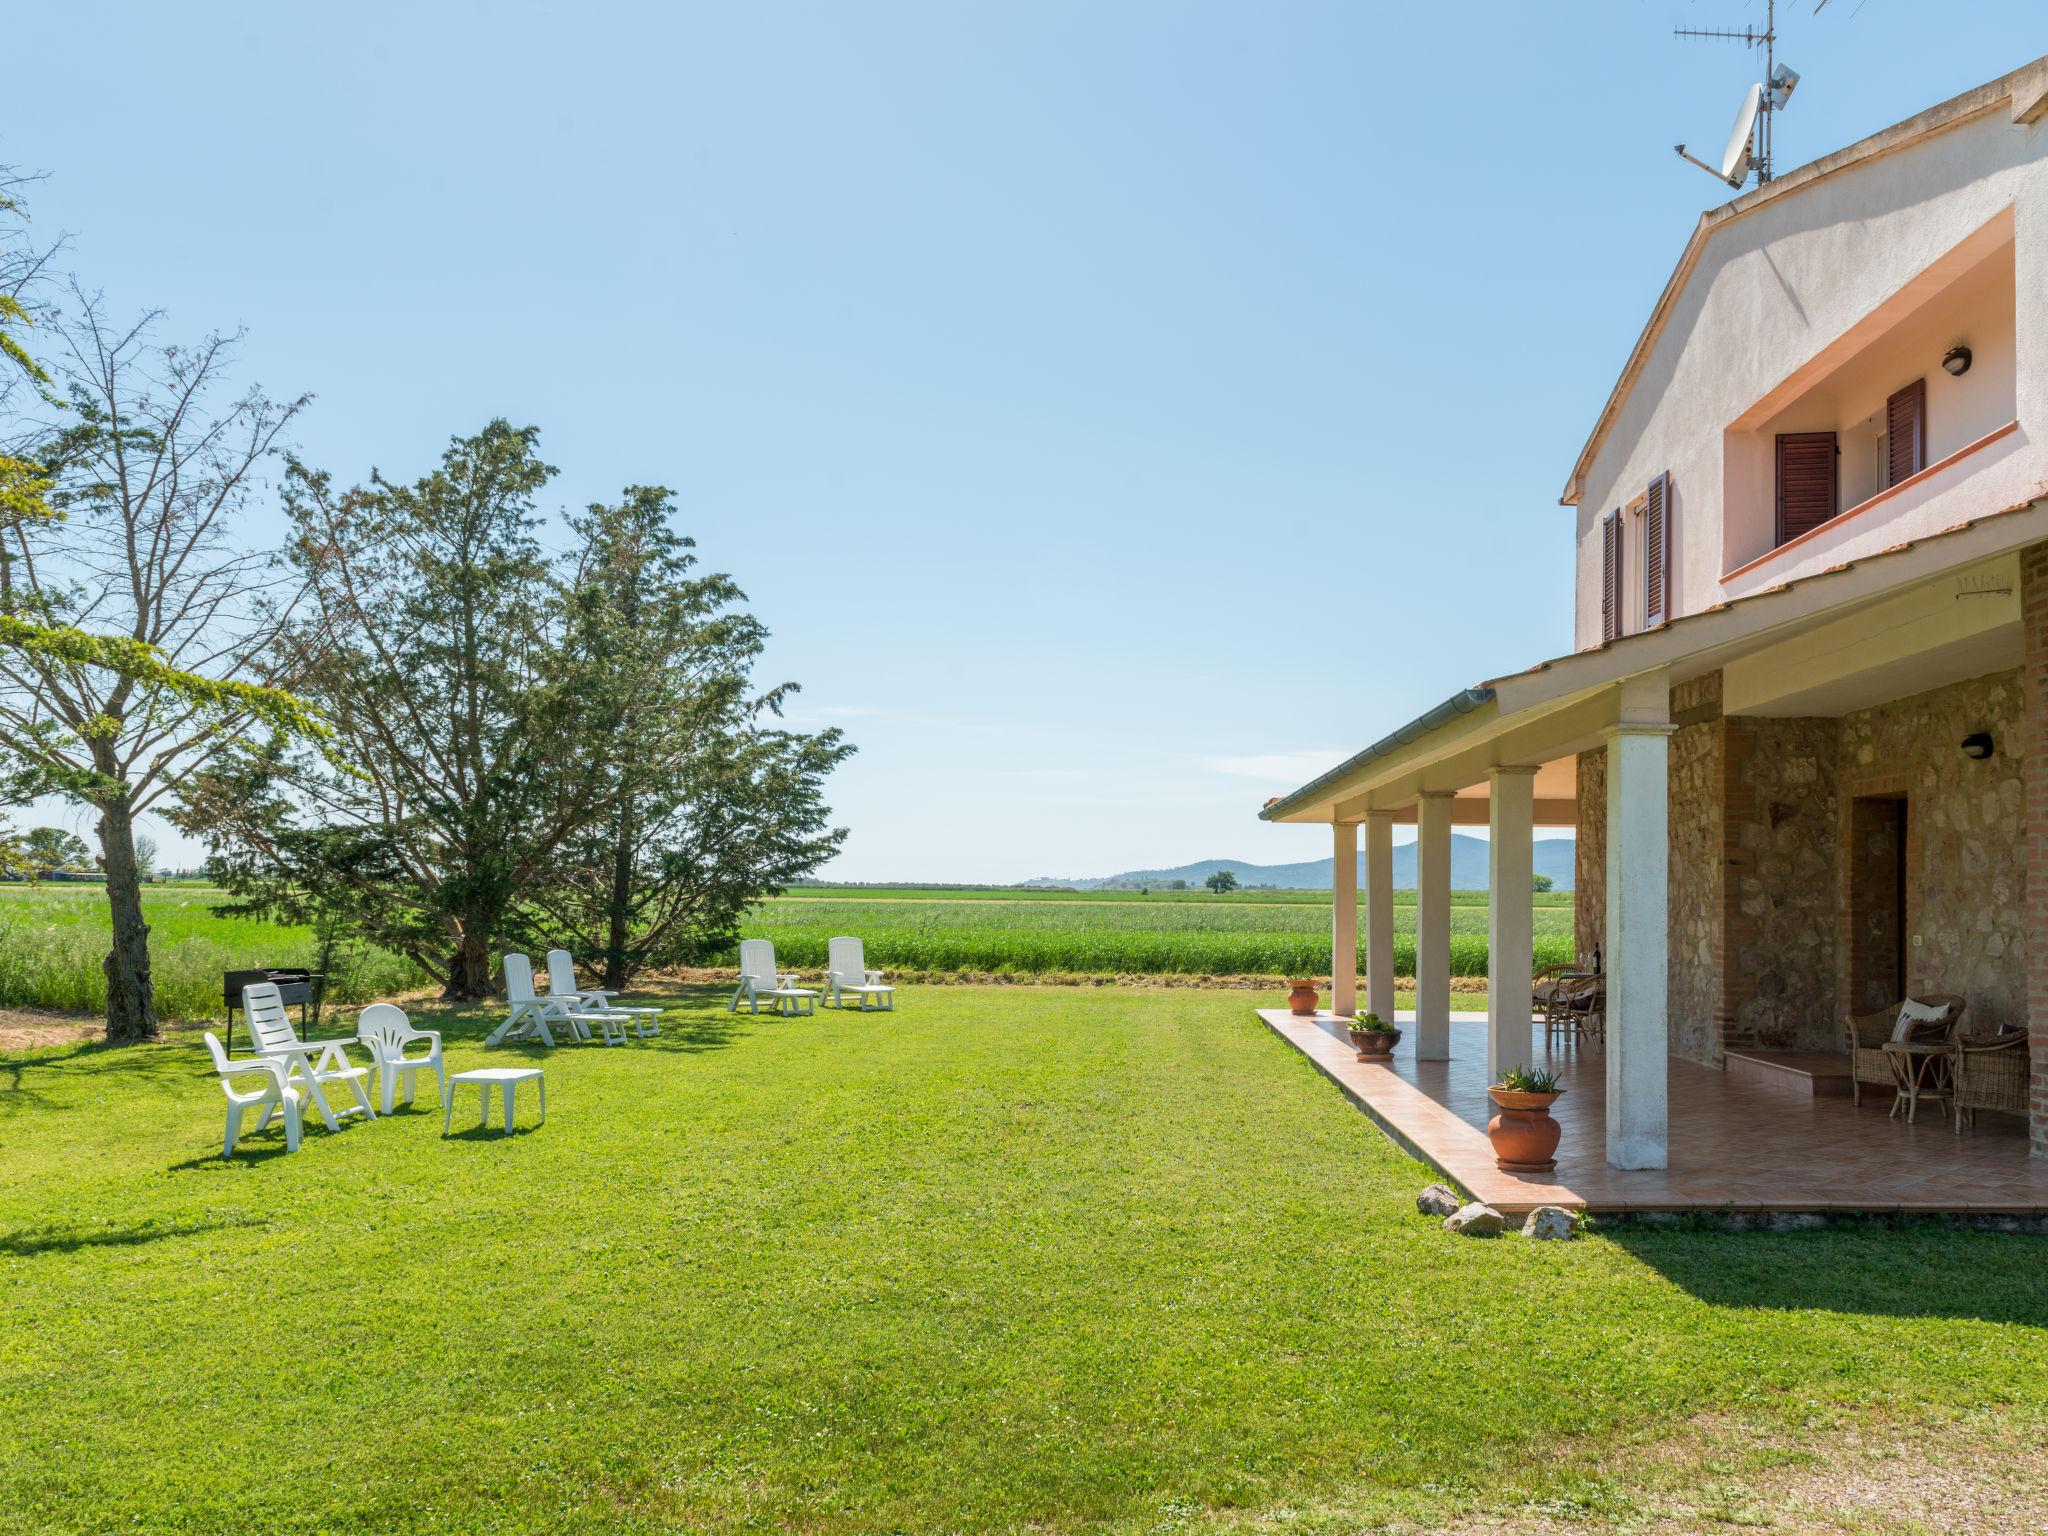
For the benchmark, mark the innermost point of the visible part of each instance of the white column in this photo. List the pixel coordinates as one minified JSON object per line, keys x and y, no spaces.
{"x":1344,"y":918}
{"x":1638,"y":876}
{"x":1433,"y":928}
{"x":1379,"y":913}
{"x":1510,"y":917}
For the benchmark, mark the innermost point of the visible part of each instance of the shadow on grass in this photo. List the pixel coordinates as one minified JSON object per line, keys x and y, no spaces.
{"x":1902,"y":1268}
{"x":27,"y":1242}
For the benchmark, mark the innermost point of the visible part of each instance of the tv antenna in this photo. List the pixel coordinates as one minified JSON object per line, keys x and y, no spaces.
{"x":1749,"y":142}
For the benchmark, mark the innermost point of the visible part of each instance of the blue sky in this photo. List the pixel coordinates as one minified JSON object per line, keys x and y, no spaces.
{"x":1119,"y":411}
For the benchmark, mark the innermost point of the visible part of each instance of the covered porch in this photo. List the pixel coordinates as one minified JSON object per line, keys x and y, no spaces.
{"x":1796,"y":806}
{"x":1734,"y":1146}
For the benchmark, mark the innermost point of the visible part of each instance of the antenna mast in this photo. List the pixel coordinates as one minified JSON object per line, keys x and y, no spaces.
{"x":1773,"y":93}
{"x":1749,"y":37}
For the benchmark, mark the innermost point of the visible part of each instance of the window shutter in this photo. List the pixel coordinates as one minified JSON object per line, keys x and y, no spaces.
{"x":1905,"y":426}
{"x":1656,"y":551}
{"x":1610,"y":577}
{"x":1806,"y":482}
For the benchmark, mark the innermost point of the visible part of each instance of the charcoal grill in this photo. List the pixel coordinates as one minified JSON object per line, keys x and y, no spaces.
{"x":295,"y":984}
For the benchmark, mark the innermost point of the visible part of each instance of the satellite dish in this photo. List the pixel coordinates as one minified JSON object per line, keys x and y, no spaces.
{"x":1735,"y":158}
{"x":1783,"y":82}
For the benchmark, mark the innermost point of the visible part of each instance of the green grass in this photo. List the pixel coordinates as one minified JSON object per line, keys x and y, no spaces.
{"x":53,"y":937}
{"x":1298,"y":898}
{"x":1212,"y":936}
{"x":1012,"y":1259}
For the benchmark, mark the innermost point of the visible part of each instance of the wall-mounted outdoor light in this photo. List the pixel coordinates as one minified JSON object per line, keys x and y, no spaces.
{"x":1977,"y":745}
{"x":1956,"y":361}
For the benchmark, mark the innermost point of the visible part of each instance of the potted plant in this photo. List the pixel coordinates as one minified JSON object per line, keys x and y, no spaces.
{"x":1301,"y":997}
{"x":1374,"y":1038}
{"x":1524,"y":1136}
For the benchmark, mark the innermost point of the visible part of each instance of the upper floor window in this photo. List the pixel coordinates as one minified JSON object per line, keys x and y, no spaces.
{"x":1635,"y":563}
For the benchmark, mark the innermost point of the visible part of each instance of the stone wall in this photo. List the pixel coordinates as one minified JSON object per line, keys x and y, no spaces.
{"x":1966,"y":869}
{"x":1693,"y":994}
{"x":1780,"y":888}
{"x":1589,"y":863}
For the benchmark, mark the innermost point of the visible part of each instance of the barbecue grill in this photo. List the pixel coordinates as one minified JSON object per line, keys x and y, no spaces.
{"x":295,"y":984}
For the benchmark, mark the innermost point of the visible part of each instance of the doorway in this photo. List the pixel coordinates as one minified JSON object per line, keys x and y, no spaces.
{"x":1878,"y":886}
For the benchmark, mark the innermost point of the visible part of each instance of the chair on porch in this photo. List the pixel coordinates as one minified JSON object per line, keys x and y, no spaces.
{"x":1990,"y":1072}
{"x":1869,"y":1033}
{"x":1573,"y":1002}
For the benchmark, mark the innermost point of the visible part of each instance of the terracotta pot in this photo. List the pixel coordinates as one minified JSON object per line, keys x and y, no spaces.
{"x":1301,"y":997}
{"x":1375,"y":1044}
{"x":1523,"y":1134}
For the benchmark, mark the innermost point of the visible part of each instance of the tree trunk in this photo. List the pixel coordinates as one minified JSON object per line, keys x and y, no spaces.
{"x":616,"y":970}
{"x":470,"y":972}
{"x":131,"y":1010}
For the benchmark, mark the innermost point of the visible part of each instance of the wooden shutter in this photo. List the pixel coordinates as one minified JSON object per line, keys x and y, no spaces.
{"x":1905,"y":430}
{"x":1806,"y":482}
{"x":1657,"y":551}
{"x":1610,"y":577}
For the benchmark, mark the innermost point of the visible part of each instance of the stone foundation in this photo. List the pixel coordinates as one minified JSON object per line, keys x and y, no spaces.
{"x":1785,"y":861}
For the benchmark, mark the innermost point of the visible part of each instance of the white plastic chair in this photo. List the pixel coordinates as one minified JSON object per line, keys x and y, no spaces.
{"x":759,"y":979}
{"x":596,"y":1003}
{"x":847,"y":975}
{"x":271,"y":1029}
{"x":384,"y":1028}
{"x":277,"y":1096}
{"x":528,"y":1014}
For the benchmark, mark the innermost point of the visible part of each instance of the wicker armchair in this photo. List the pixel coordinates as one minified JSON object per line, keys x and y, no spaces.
{"x":1990,"y":1073}
{"x":1574,"y":1008}
{"x":1868,"y":1033}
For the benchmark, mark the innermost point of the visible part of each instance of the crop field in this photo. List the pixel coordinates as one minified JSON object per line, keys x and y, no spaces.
{"x":1263,"y":933}
{"x":52,"y":938}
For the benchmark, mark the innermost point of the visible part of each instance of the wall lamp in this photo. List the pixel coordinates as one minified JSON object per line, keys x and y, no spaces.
{"x":1956,"y":361}
{"x":1977,"y":745}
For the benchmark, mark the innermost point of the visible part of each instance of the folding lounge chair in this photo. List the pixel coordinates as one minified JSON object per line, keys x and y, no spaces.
{"x":612,"y":1019}
{"x":759,"y":979}
{"x":271,"y":1029}
{"x":847,"y":975}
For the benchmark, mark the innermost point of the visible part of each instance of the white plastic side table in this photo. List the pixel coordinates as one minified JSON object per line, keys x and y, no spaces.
{"x":504,"y":1079}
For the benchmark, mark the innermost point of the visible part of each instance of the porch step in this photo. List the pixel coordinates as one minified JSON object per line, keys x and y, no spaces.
{"x":1801,"y":1074}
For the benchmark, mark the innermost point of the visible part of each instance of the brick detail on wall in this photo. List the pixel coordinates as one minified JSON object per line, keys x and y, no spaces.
{"x":2034,"y":761}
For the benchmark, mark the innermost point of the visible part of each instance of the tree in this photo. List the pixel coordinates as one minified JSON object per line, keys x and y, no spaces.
{"x":1543,"y":883}
{"x":145,"y":857}
{"x":50,"y":849}
{"x":1221,"y":882}
{"x":459,"y":767}
{"x":707,"y":804}
{"x":136,"y":628}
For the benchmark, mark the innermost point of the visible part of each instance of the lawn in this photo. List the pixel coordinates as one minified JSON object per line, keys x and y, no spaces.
{"x":1010,"y":1259}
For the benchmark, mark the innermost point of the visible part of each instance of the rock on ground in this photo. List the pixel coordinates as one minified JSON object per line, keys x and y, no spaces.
{"x":1474,"y":1220}
{"x":1438,"y":1200}
{"x":1551,"y":1222}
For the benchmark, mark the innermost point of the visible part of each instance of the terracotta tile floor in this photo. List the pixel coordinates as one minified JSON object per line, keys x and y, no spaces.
{"x":1732,"y":1146}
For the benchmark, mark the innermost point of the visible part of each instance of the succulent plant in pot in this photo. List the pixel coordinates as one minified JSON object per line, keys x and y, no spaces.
{"x":1523,"y":1134}
{"x":1373,"y":1038}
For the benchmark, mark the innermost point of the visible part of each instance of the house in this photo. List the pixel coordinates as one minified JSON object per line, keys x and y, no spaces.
{"x":1803,"y":734}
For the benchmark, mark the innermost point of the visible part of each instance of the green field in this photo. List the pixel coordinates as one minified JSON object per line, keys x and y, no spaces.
{"x":52,"y":938}
{"x":1011,"y":1259}
{"x":1169,"y":933}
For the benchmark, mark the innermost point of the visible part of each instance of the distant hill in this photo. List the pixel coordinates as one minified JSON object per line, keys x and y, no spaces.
{"x":1468,"y":869}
